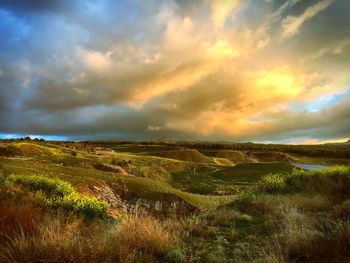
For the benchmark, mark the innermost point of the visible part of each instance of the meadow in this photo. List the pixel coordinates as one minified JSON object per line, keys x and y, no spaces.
{"x":172,"y":202}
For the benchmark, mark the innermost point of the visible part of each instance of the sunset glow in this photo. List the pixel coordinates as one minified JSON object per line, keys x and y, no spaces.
{"x":223,"y":70}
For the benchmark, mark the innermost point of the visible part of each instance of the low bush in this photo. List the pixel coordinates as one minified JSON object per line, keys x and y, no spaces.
{"x":272,"y":183}
{"x":58,"y":194}
{"x":51,"y":186}
{"x":90,"y":207}
{"x":334,"y":180}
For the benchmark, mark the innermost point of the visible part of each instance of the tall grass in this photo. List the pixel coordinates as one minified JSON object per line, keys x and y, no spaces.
{"x":314,"y":237}
{"x":306,"y":217}
{"x":136,"y":239}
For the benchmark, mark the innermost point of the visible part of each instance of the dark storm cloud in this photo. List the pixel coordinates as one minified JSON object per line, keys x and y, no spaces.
{"x":24,"y":7}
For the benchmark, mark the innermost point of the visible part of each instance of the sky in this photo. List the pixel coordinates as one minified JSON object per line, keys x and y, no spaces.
{"x":214,"y":70}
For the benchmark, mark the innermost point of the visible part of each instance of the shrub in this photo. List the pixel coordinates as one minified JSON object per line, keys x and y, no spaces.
{"x":272,"y":183}
{"x":90,"y":207}
{"x":52,"y":186}
{"x":244,"y":201}
{"x":175,"y":256}
{"x":334,"y":180}
{"x":59,"y":194}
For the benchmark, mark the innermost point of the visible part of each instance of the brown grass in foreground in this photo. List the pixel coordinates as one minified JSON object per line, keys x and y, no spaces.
{"x":135,"y":239}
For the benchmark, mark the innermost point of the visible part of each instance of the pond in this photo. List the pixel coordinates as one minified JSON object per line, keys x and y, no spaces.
{"x":311,"y":166}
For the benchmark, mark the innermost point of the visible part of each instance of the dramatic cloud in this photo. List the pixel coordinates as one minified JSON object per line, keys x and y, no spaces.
{"x":211,"y":70}
{"x":291,"y":24}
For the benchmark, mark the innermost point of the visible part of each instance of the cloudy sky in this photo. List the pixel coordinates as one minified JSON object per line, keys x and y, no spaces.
{"x":223,"y":70}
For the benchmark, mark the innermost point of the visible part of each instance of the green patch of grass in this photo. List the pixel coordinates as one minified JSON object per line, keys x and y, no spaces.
{"x":333,"y":182}
{"x":251,"y":172}
{"x":233,"y":156}
{"x":52,"y":186}
{"x":222,"y":161}
{"x":35,"y":149}
{"x":135,"y":187}
{"x":210,"y":179}
{"x":88,"y":206}
{"x":204,"y":183}
{"x":59,"y":194}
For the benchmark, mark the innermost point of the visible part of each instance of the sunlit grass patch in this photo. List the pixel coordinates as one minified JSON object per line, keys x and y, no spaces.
{"x":272,"y":183}
{"x":332,"y":180}
{"x":52,"y":186}
{"x":88,"y":206}
{"x":58,"y":194}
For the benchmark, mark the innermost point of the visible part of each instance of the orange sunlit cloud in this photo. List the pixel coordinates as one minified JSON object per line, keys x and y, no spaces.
{"x":214,"y":70}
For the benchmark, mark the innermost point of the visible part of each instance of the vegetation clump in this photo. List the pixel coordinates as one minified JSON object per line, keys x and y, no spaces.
{"x":332,"y":180}
{"x":302,"y":213}
{"x":175,"y":256}
{"x":51,"y":186}
{"x":58,"y":194}
{"x":135,"y":239}
{"x":178,"y":212}
{"x":272,"y":183}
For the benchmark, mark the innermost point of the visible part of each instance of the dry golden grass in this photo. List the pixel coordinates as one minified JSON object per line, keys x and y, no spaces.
{"x":17,"y":212}
{"x":137,"y":238}
{"x":314,"y":238}
{"x":16,"y":218}
{"x":225,"y":216}
{"x":143,"y":234}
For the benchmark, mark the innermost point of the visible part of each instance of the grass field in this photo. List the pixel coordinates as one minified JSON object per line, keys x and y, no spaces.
{"x":222,"y":207}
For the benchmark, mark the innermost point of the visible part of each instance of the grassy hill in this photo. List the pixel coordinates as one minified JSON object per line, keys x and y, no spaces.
{"x":171,"y":204}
